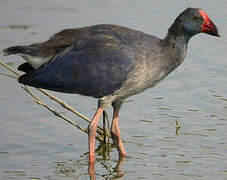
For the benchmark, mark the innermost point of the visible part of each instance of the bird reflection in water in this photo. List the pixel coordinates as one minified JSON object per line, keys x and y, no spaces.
{"x":114,"y":173}
{"x":103,"y":151}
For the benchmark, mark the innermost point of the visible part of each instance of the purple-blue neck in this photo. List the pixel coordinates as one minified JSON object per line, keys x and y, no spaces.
{"x":177,"y":33}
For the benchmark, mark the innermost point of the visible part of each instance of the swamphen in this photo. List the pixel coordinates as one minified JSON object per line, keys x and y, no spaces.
{"x":109,"y":62}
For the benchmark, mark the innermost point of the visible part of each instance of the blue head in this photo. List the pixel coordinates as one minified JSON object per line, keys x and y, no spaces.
{"x":191,"y":22}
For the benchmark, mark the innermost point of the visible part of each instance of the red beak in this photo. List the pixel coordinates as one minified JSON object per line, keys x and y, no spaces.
{"x":208,"y":26}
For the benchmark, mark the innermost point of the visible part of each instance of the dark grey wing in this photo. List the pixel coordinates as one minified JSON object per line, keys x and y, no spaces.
{"x":94,"y":66}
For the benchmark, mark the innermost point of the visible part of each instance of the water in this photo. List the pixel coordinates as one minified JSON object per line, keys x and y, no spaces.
{"x":34,"y":144}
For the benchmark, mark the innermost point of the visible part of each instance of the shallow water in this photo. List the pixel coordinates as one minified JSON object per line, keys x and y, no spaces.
{"x":34,"y":144}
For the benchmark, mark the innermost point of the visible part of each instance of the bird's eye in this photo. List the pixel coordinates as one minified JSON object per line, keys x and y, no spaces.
{"x":196,"y":18}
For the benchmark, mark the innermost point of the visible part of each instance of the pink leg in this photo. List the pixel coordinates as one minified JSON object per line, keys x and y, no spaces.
{"x":115,"y":132}
{"x":92,"y":129}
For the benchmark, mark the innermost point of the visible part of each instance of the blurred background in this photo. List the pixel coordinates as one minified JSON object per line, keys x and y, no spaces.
{"x":35,"y":144}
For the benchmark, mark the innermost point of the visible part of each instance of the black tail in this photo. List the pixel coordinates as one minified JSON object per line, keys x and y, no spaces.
{"x":16,"y":50}
{"x":24,"y":79}
{"x":26,"y":67}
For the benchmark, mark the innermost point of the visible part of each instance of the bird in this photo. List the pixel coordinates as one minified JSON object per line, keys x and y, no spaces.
{"x":109,"y":62}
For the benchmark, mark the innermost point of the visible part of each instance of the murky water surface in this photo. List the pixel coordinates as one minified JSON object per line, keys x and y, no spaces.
{"x":34,"y":144}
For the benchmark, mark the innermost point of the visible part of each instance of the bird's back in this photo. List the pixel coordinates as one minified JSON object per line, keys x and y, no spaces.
{"x":101,"y":60}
